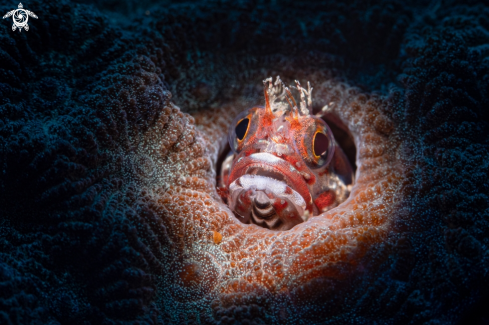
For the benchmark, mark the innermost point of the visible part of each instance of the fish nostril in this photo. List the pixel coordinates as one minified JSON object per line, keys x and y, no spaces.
{"x":261,"y":200}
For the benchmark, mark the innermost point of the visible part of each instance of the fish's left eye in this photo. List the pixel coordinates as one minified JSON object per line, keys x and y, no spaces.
{"x":317,"y":145}
{"x":320,"y":145}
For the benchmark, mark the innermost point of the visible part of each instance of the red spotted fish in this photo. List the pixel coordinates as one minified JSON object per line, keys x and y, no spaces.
{"x":285,"y":165}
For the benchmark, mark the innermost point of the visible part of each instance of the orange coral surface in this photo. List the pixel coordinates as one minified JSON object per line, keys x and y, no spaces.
{"x":224,"y":258}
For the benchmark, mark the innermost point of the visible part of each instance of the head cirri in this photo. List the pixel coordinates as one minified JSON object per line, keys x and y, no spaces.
{"x":285,"y":165}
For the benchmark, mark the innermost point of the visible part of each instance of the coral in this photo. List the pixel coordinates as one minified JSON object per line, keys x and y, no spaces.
{"x":108,"y":206}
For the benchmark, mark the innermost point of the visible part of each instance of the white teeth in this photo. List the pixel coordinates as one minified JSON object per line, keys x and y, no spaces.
{"x":267,"y":184}
{"x":266,"y":157}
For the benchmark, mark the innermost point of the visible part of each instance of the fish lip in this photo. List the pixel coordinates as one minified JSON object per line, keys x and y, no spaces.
{"x":266,"y":164}
{"x":267,"y":172}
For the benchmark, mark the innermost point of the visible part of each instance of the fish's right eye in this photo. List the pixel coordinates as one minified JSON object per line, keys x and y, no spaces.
{"x":242,"y":128}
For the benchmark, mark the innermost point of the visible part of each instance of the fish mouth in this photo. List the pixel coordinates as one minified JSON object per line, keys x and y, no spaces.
{"x":274,"y":168}
{"x":267,"y":172}
{"x":266,"y":202}
{"x":263,"y":214}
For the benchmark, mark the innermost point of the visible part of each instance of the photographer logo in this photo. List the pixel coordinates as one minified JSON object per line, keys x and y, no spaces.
{"x":20,"y":17}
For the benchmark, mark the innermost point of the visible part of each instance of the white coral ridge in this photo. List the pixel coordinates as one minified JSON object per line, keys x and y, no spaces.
{"x":263,"y":183}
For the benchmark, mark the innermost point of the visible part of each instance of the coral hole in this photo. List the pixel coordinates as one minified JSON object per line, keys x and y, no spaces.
{"x":220,"y":161}
{"x":343,"y":137}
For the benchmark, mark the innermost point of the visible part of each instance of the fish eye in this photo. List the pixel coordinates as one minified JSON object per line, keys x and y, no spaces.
{"x":320,"y":145}
{"x":241,"y":128}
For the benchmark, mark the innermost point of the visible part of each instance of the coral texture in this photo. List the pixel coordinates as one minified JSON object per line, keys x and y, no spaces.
{"x":112,"y":122}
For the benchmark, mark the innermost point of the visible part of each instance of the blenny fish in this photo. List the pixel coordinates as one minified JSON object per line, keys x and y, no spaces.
{"x":285,"y":165}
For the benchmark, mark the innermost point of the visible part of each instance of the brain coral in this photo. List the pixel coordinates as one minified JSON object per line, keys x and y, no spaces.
{"x":111,"y":126}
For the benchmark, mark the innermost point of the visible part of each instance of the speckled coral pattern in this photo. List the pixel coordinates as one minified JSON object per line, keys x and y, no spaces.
{"x":112,"y":120}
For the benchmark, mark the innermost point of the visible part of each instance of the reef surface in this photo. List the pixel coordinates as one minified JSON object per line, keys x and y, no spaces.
{"x":112,"y":120}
